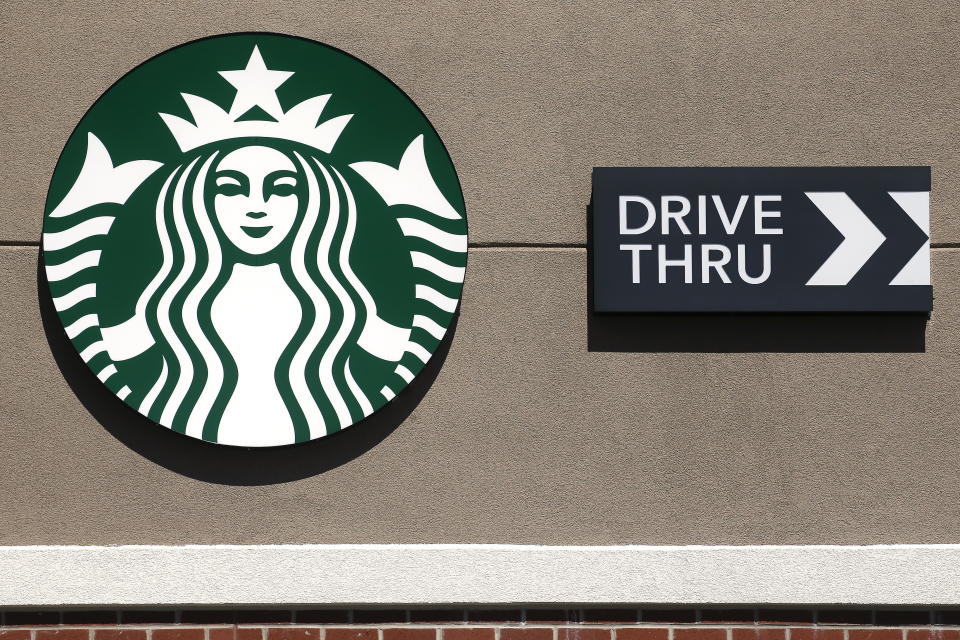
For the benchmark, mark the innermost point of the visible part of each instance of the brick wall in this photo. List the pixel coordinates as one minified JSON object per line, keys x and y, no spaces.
{"x":482,"y":624}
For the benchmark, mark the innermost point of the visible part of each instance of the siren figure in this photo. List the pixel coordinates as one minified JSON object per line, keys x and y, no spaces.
{"x":255,"y":316}
{"x":255,"y":299}
{"x":254,"y":255}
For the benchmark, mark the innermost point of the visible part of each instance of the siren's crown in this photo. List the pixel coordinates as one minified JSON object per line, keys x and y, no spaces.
{"x":256,"y":87}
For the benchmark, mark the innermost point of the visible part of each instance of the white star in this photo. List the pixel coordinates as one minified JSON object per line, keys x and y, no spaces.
{"x":256,"y":86}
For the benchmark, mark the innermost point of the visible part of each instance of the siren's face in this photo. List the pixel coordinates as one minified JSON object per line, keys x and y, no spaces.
{"x":256,"y":199}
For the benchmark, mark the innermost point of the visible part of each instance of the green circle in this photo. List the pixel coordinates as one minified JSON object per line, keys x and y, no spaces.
{"x":279,"y":309}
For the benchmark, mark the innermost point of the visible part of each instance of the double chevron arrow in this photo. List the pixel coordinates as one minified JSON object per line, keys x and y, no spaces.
{"x":862,"y":238}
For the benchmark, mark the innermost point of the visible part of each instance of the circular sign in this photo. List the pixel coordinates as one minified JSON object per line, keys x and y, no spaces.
{"x":255,"y":239}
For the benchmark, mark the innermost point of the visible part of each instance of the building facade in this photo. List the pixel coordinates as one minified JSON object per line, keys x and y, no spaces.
{"x":552,"y":471}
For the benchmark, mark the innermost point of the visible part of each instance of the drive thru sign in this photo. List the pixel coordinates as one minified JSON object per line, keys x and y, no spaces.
{"x":761,"y":239}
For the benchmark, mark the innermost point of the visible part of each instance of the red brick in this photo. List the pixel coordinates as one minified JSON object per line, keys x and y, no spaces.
{"x":236,"y":633}
{"x":875,"y":634}
{"x":642,"y":633}
{"x":813,"y":633}
{"x":470,"y":633}
{"x":16,"y":634}
{"x":250,"y":633}
{"x":582,"y":633}
{"x":223,"y":633}
{"x":518,"y":633}
{"x":933,"y":634}
{"x":63,"y":634}
{"x":700,"y":633}
{"x":120,"y":633}
{"x":182,"y":633}
{"x":408,"y":633}
{"x":763,"y":633}
{"x":293,"y":633}
{"x":351,"y":634}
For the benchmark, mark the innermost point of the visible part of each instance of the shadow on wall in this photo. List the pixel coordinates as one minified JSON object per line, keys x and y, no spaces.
{"x":755,"y":333}
{"x":217,"y":463}
{"x":750,"y":332}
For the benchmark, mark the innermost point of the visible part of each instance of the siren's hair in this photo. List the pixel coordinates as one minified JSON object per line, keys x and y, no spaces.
{"x":197,"y":371}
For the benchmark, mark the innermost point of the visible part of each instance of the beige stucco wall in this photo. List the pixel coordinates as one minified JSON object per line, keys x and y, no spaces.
{"x":527,"y":435}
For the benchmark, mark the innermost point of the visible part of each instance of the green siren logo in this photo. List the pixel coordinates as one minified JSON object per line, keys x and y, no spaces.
{"x":255,"y":239}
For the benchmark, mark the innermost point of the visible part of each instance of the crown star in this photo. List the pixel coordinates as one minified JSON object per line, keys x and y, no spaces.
{"x":256,"y":87}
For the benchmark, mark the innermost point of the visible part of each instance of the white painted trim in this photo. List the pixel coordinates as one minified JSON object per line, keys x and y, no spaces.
{"x":452,"y":574}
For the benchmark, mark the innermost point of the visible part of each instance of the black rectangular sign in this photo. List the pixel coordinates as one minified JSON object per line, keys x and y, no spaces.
{"x":686,"y":239}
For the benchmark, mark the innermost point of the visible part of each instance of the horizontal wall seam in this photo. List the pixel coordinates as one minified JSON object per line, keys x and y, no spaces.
{"x":527,"y":245}
{"x":486,"y":245}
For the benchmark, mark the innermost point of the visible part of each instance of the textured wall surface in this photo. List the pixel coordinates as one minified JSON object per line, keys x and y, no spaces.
{"x":543,"y":426}
{"x":528,"y":437}
{"x":528,"y":97}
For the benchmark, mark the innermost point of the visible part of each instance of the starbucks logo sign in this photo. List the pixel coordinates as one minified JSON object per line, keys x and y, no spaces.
{"x":255,"y":239}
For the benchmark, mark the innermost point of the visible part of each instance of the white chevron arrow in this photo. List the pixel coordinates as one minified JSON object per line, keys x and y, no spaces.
{"x":861,"y":238}
{"x":916,"y":204}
